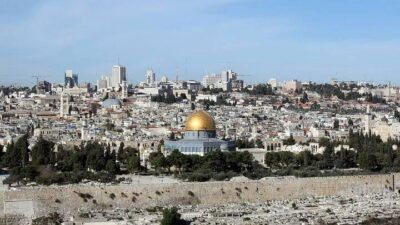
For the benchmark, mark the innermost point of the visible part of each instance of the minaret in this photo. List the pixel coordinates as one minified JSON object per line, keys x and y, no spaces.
{"x":61,"y":104}
{"x":84,"y":131}
{"x":367,"y":121}
{"x":124,"y":90}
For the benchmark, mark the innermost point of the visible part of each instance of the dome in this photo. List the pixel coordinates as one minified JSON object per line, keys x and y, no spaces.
{"x":200,"y":120}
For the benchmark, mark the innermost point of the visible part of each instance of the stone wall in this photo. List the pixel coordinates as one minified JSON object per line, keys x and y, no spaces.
{"x":70,"y":198}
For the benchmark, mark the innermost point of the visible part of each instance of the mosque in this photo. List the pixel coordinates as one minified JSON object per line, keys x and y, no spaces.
{"x":200,"y":137}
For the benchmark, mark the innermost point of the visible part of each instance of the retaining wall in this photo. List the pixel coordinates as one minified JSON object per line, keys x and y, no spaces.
{"x":68,"y":199}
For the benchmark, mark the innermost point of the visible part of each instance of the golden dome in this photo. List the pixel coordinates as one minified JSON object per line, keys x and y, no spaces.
{"x":200,"y":120}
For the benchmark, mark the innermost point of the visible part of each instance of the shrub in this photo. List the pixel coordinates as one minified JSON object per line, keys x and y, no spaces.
{"x":112,"y":196}
{"x":52,"y":218}
{"x":172,"y":217}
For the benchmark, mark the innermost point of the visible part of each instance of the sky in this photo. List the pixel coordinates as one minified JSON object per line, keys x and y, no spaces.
{"x":309,"y":40}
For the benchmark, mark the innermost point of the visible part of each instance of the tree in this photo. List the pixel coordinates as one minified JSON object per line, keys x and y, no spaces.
{"x":305,"y":158}
{"x":105,"y":97}
{"x":326,"y":90}
{"x":94,"y":107}
{"x":160,"y":145}
{"x":238,"y":161}
{"x":397,"y":115}
{"x":345,"y":159}
{"x":289,"y":141}
{"x":64,"y":159}
{"x":112,"y":167}
{"x":304,"y":98}
{"x":121,"y":152}
{"x":259,"y":143}
{"x":336,"y":124}
{"x":177,"y":159}
{"x":260,"y":89}
{"x":42,"y":153}
{"x":368,"y":161}
{"x":350,"y":122}
{"x":10,"y":159}
{"x":134,"y":164}
{"x":215,"y":161}
{"x":158,"y":161}
{"x":17,"y":154}
{"x":245,"y":143}
{"x":95,"y":156}
{"x":52,"y":218}
{"x":21,"y":147}
{"x":327,"y":158}
{"x":171,"y":217}
{"x":171,"y":136}
{"x":79,"y":159}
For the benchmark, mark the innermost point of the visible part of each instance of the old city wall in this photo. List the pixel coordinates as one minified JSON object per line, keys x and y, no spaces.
{"x":67,"y":199}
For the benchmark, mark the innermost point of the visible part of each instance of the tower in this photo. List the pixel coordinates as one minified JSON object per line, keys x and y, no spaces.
{"x":118,"y":76}
{"x":64,"y":105}
{"x":150,"y":77}
{"x":124,"y":91}
{"x":367,"y":121}
{"x":84,"y":131}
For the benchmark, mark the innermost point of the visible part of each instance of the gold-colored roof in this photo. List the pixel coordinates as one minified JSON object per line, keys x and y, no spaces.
{"x":200,"y":120}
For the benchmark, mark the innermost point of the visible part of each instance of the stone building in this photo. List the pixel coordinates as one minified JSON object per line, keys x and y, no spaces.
{"x":200,"y":137}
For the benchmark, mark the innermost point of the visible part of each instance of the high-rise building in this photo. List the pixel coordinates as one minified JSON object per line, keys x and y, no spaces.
{"x":273,"y":82}
{"x":230,"y":75}
{"x":150,"y":77}
{"x":103,"y":83}
{"x":118,"y":76}
{"x":292,"y":85}
{"x":221,"y":80}
{"x":71,"y":79}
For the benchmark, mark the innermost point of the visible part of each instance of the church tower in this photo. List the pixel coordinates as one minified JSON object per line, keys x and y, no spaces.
{"x":64,"y":104}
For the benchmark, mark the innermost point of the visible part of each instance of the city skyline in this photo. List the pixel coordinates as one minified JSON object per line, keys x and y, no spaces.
{"x":199,"y":112}
{"x":311,"y":40}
